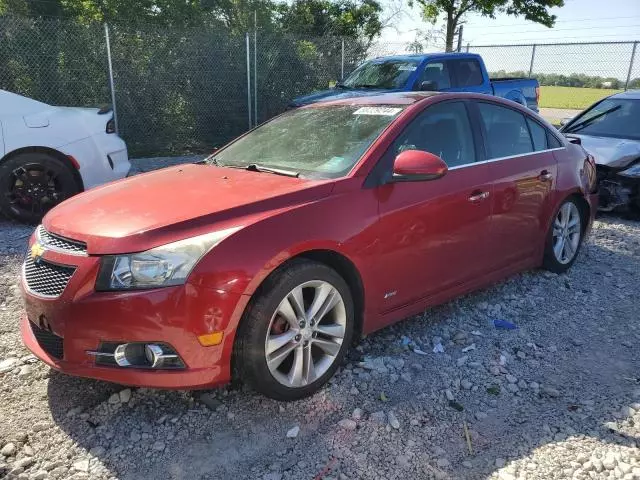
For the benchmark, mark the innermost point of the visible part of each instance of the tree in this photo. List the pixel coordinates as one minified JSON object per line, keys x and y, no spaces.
{"x":345,"y":18}
{"x":455,"y":10}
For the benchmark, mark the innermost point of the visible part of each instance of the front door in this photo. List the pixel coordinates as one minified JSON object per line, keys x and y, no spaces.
{"x":524,"y":171}
{"x":434,"y":233}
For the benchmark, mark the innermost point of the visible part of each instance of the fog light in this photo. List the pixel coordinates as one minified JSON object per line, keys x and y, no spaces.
{"x":138,"y":355}
{"x":157,"y":357}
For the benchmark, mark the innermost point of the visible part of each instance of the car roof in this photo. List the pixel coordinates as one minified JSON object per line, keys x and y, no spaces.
{"x":629,"y":94}
{"x":390,"y":98}
{"x":422,"y":56}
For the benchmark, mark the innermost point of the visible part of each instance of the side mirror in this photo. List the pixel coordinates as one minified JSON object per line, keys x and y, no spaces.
{"x":429,"y":86}
{"x":417,"y":165}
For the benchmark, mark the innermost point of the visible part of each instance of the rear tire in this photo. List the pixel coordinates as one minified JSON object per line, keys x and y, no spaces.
{"x":564,"y":238}
{"x":33,"y":183}
{"x":296,"y":331}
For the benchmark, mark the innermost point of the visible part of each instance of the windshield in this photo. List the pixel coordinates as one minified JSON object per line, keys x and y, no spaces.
{"x":386,"y":74}
{"x":324,"y":142}
{"x":617,"y":118}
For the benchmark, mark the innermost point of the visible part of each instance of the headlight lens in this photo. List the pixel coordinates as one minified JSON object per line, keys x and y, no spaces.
{"x":163,"y":266}
{"x":633,"y":171}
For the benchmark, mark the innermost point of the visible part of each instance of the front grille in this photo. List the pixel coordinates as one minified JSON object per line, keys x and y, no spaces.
{"x":48,"y":341}
{"x":55,"y":242}
{"x":46,"y":278}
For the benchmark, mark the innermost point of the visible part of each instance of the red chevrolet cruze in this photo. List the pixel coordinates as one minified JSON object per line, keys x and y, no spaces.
{"x":332,"y":220}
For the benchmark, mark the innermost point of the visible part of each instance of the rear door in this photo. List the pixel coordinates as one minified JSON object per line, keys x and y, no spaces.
{"x":434,"y":233}
{"x":524,"y":171}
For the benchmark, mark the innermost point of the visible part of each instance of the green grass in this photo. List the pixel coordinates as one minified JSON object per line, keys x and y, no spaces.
{"x":572,"y":97}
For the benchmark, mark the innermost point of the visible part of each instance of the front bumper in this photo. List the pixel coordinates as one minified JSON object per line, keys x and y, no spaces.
{"x":82,"y":319}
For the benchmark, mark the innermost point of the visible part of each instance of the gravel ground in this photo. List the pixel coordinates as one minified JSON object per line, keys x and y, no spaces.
{"x":559,"y":397}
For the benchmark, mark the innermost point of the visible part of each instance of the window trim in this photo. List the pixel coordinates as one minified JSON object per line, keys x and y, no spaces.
{"x":509,"y":157}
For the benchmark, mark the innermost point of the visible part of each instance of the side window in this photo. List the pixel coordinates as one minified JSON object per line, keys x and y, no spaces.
{"x":552,"y":141}
{"x":467,"y":72}
{"x":437,"y":72}
{"x":506,"y":131}
{"x":538,"y":135}
{"x":443,"y":130}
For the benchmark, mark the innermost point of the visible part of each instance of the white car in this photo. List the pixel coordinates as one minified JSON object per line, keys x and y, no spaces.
{"x":48,"y":154}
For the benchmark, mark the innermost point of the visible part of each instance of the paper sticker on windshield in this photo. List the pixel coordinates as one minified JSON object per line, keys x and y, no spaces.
{"x":384,"y":111}
{"x":407,"y":68}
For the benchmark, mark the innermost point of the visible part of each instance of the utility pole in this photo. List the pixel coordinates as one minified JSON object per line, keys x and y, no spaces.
{"x":460,"y":28}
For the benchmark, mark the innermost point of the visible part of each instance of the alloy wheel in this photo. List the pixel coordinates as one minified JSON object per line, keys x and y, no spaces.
{"x":567,"y":230}
{"x":35,"y":189}
{"x":305,"y":333}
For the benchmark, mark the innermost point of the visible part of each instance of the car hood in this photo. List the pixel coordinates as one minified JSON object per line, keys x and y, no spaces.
{"x":337,"y":94}
{"x":611,"y":152}
{"x":167,"y":205}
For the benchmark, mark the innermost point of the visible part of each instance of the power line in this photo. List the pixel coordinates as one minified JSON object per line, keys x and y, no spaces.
{"x":528,"y":24}
{"x":553,"y":30}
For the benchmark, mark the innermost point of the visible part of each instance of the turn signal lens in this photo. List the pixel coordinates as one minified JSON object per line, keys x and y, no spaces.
{"x":211,"y":339}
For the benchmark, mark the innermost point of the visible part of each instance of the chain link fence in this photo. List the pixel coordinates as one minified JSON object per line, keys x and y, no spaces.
{"x":571,"y":75}
{"x":182,"y":91}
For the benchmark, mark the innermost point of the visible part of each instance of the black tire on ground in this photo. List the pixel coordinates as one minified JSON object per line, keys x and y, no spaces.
{"x":33,"y":183}
{"x":550,"y":261}
{"x":249,"y":358}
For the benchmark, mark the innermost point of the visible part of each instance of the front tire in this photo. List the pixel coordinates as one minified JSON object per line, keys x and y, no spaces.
{"x":564,"y":238}
{"x":33,"y":183}
{"x":296,"y":332}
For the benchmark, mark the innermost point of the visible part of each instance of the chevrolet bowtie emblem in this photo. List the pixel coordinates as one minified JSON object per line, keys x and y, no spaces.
{"x":37,"y":250}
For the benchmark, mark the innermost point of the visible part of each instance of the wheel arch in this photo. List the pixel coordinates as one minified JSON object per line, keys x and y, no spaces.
{"x":58,"y":155}
{"x":583,"y":205}
{"x":343,"y":266}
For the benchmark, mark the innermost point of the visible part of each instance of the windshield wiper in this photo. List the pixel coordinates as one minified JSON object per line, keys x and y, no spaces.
{"x":342,"y":86}
{"x":254,"y":167}
{"x":590,"y":120}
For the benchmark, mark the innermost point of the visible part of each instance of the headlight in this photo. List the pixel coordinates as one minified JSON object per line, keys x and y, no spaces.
{"x":633,"y":171}
{"x":162,"y":266}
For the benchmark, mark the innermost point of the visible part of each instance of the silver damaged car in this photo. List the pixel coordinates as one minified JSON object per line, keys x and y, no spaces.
{"x":610,"y":131}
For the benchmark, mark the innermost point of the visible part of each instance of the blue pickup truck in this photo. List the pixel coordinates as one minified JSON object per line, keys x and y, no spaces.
{"x":444,"y":72}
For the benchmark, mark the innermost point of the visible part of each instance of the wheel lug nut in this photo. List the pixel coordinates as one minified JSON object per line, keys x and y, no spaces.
{"x":298,"y":337}
{"x":301,"y":324}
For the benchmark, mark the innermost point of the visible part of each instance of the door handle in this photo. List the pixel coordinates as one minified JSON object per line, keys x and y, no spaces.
{"x":478,"y":196}
{"x":545,"y":176}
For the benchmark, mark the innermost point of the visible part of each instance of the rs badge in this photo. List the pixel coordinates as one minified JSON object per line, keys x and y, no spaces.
{"x":37,"y":251}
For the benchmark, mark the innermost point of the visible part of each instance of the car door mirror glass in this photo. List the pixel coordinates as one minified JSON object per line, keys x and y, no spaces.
{"x":418,"y":165}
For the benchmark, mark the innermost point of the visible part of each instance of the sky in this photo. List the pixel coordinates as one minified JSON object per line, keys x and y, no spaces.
{"x":578,"y":21}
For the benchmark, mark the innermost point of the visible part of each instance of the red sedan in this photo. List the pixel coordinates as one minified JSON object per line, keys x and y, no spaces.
{"x":265,"y":260}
